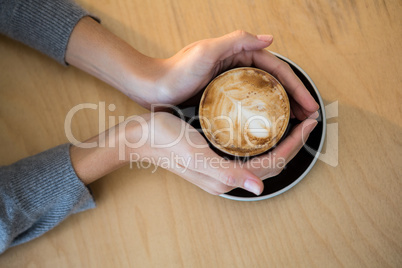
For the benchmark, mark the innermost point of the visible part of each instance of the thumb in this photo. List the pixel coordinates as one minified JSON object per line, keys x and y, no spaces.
{"x":238,"y":41}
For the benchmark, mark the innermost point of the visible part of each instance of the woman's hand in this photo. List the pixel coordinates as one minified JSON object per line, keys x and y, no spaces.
{"x":171,"y":143}
{"x":191,"y":69}
{"x":204,"y":168}
{"x":148,"y":81}
{"x":163,"y":140}
{"x":178,"y":147}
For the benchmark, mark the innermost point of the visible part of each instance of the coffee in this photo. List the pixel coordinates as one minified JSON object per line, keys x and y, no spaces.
{"x":244,"y":112}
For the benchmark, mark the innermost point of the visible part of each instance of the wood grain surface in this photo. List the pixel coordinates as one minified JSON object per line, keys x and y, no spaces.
{"x":347,"y":215}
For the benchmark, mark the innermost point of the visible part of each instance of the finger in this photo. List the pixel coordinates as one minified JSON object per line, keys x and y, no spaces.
{"x":236,"y":42}
{"x":292,"y":115}
{"x":207,"y":162}
{"x":292,"y":144}
{"x":282,"y":71}
{"x":297,"y":110}
{"x":202,"y":181}
{"x":285,"y":151}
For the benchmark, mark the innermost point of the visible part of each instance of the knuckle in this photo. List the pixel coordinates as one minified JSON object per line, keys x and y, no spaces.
{"x":237,"y":48}
{"x":213,"y":192}
{"x":227,"y":179}
{"x":275,"y":171}
{"x":300,"y":87}
{"x":201,"y":48}
{"x":281,"y":68}
{"x":221,"y":189}
{"x":272,"y":172}
{"x":217,"y":188}
{"x":240,"y":33}
{"x":161,"y":118}
{"x":284,"y":65}
{"x":190,"y":46}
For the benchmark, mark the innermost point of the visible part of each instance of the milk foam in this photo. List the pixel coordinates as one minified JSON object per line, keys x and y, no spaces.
{"x":244,"y":111}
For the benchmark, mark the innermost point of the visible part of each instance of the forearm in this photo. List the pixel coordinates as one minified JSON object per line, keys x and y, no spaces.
{"x":112,"y":150}
{"x":97,"y":51}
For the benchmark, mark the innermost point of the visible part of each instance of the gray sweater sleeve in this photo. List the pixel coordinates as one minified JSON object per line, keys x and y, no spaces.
{"x":44,"y":25}
{"x":38,"y":192}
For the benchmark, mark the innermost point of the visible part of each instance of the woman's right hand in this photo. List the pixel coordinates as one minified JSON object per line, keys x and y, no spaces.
{"x":186,"y":153}
{"x":169,"y":142}
{"x":176,"y":146}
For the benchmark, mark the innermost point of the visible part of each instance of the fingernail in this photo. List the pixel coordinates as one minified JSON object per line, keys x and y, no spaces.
{"x":308,"y":129}
{"x":252,"y":186}
{"x":312,"y":126}
{"x":314,"y":115}
{"x":265,"y":37}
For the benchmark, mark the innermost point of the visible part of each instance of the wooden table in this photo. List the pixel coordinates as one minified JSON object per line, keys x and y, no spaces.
{"x":347,"y":215}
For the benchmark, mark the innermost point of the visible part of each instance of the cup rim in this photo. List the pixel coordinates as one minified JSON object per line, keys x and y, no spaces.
{"x":278,"y":137}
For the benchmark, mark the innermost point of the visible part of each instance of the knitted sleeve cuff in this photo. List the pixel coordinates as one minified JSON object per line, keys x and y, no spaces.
{"x":37,"y":193}
{"x":44,"y":25}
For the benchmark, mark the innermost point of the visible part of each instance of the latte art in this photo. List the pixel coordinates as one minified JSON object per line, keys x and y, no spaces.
{"x":244,"y":111}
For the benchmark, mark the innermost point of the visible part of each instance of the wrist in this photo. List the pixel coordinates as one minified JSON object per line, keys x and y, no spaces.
{"x":111,"y":151}
{"x":144,"y":79}
{"x":97,"y":51}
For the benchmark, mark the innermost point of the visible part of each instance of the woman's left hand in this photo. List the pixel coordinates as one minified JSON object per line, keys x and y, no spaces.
{"x":192,"y":68}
